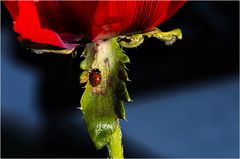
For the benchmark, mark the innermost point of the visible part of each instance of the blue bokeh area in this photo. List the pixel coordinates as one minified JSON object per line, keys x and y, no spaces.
{"x":186,"y":96}
{"x":200,"y":121}
{"x":18,"y":83}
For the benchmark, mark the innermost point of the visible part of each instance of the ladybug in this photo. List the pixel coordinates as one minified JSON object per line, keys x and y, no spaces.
{"x":95,"y":77}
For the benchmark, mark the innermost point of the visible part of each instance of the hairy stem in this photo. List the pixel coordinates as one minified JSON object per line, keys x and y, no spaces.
{"x":115,"y":148}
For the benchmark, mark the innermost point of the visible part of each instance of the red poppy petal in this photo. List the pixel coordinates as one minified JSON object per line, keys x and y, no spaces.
{"x":12,"y":7}
{"x":174,"y":6}
{"x":122,"y":17}
{"x":169,"y":9}
{"x":26,"y":23}
{"x":110,"y":18}
{"x":59,"y":23}
{"x":66,"y":17}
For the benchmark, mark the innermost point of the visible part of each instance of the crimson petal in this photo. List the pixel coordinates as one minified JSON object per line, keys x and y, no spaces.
{"x":65,"y":23}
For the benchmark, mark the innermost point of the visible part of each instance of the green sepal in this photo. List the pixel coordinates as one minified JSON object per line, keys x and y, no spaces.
{"x":120,"y":54}
{"x":99,"y":115}
{"x":122,"y":92}
{"x":120,"y":110}
{"x":168,"y":37}
{"x":122,"y":57}
{"x":84,"y":77}
{"x":122,"y":74}
{"x":131,"y":41}
{"x":38,"y":48}
{"x":101,"y":106}
{"x":88,"y":53}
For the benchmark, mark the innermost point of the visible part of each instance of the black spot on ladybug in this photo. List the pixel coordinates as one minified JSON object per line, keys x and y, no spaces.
{"x":95,"y":77}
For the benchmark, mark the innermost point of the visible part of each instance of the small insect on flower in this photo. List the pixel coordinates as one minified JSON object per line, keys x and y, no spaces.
{"x":95,"y":77}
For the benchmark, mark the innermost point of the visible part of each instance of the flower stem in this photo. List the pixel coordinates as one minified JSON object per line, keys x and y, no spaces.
{"x":103,"y":105}
{"x":115,"y":148}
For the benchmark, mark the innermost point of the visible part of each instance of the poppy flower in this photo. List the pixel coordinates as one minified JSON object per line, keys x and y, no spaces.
{"x":65,"y":23}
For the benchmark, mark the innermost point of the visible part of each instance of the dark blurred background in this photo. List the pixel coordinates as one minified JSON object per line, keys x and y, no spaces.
{"x":185,"y":95}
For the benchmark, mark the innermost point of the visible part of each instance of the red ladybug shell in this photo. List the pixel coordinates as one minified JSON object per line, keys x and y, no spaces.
{"x":95,"y":77}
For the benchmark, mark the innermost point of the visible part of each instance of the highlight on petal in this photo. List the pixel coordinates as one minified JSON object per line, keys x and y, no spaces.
{"x":65,"y":23}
